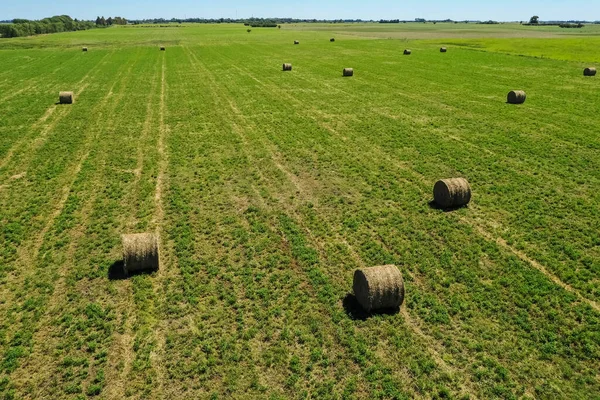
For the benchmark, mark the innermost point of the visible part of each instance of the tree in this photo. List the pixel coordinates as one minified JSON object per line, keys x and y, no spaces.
{"x":534,"y":20}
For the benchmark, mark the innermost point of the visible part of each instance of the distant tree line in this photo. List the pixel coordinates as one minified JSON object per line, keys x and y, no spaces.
{"x":60,"y":23}
{"x":265,"y":24}
{"x":258,"y":22}
{"x":535,"y":21}
{"x":160,"y":26}
{"x":433,"y":21}
{"x":579,"y":25}
{"x":560,"y":24}
{"x":246,"y":21}
{"x":101,"y":21}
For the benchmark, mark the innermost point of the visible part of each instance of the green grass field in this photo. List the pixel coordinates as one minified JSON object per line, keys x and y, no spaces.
{"x":270,"y":188}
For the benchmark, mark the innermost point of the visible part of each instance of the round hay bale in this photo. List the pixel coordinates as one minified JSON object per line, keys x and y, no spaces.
{"x":589,"y":72}
{"x":453,"y":192}
{"x":296,"y":42}
{"x":140,"y":252}
{"x":378,"y":288}
{"x":332,"y":40}
{"x":516,"y":97}
{"x":407,"y":52}
{"x":348,"y":72}
{"x":66,"y":97}
{"x":443,"y":50}
{"x":162,"y":48}
{"x":84,"y":49}
{"x":287,"y":67}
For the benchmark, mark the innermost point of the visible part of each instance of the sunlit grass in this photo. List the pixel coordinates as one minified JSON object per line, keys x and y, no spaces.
{"x":275,"y":187}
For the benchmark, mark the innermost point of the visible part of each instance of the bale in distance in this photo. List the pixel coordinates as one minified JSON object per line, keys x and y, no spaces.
{"x":296,"y":42}
{"x":443,"y":50}
{"x":589,"y":71}
{"x":348,"y":72}
{"x":66,"y":97}
{"x":140,"y":252}
{"x":379,"y":288}
{"x":287,"y":67}
{"x":452,"y":193}
{"x":84,"y":49}
{"x":162,"y":48}
{"x":407,"y":52}
{"x":516,"y":97}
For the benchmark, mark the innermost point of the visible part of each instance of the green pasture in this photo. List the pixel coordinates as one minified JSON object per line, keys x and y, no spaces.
{"x":269,"y":188}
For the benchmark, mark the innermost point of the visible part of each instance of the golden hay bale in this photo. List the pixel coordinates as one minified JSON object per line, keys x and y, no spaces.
{"x":379,"y":288}
{"x":348,"y":72}
{"x":516,"y":97}
{"x":332,"y":40}
{"x":407,"y":52}
{"x":162,"y":48}
{"x":453,"y":192}
{"x":443,"y":50}
{"x":287,"y":67}
{"x":66,"y":97}
{"x":84,"y":49}
{"x":589,"y":72}
{"x":140,"y":252}
{"x":296,"y":42}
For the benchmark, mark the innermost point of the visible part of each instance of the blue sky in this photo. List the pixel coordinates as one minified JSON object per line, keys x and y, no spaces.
{"x":504,"y":10}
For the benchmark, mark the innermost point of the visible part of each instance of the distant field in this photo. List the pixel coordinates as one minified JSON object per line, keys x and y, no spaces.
{"x":448,"y":30}
{"x":270,"y":188}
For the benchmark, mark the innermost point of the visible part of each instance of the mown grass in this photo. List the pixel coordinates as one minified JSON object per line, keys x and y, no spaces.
{"x":269,"y":189}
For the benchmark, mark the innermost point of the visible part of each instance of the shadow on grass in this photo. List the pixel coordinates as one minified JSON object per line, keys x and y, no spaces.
{"x":356,"y":312}
{"x":435,"y":206}
{"x":116,"y":272}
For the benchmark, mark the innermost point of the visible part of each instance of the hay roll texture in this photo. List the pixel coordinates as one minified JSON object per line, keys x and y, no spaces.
{"x":589,"y":72}
{"x":287,"y":67}
{"x":443,"y":50}
{"x":516,"y":97}
{"x":453,"y":192}
{"x":379,"y":288}
{"x":66,"y":97}
{"x":348,"y":72}
{"x":140,"y":252}
{"x":407,"y":52}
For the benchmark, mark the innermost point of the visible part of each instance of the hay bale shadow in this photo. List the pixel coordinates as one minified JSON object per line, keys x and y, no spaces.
{"x":356,"y":312}
{"x":435,"y":206}
{"x":116,"y":272}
